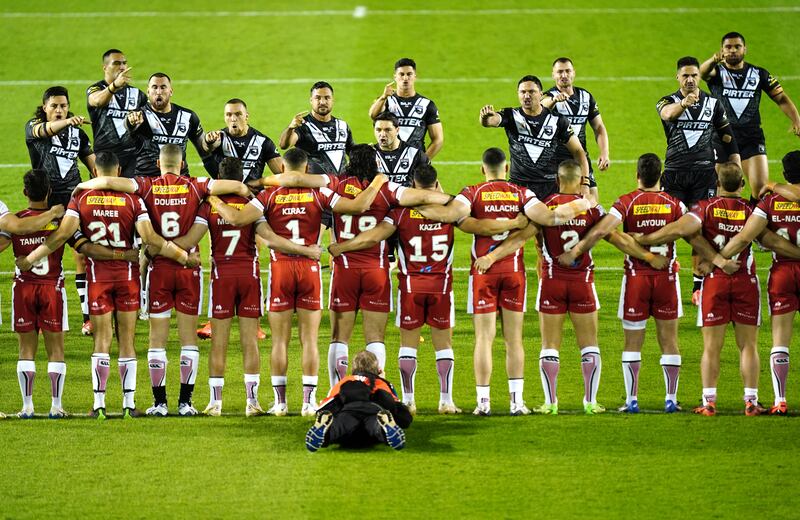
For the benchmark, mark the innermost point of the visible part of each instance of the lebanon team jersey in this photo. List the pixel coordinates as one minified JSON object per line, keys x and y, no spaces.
{"x":109,"y":218}
{"x":783,"y":217}
{"x":689,"y":138}
{"x":178,"y":126}
{"x":740,"y":93}
{"x":579,"y":109}
{"x":722,"y":218}
{"x":173,"y":201}
{"x":414,"y":114}
{"x":49,"y":270}
{"x":558,"y":239}
{"x":646,"y":212}
{"x":295,"y":214}
{"x":254,"y":149}
{"x":108,"y":122}
{"x":532,"y":142}
{"x":399,"y":164}
{"x":346,"y":227}
{"x":233,"y":249}
{"x":58,"y":155}
{"x":326,"y":143}
{"x":425,"y":252}
{"x":500,"y":200}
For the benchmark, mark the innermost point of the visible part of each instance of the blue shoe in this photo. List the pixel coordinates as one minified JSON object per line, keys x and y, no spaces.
{"x":25,"y":413}
{"x":672,"y":407}
{"x":395,"y":436}
{"x":315,"y":438}
{"x":633,"y":407}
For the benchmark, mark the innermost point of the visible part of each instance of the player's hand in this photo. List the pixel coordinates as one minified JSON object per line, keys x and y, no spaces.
{"x":298,"y":119}
{"x":718,"y":57}
{"x":131,"y":255}
{"x":388,"y":90}
{"x":561,"y":96}
{"x":704,"y":267}
{"x":690,"y":99}
{"x":314,"y":251}
{"x":567,"y":258}
{"x":603,"y":163}
{"x":335,"y":250}
{"x":214,"y":200}
{"x":768,"y":187}
{"x":57,"y":211}
{"x":484,"y":263}
{"x":380,"y":179}
{"x":193,"y":260}
{"x":795,"y":129}
{"x":659,"y":262}
{"x":639,"y":237}
{"x":521,"y":221}
{"x":213,"y":136}
{"x":731,"y":266}
{"x":122,"y":79}
{"x":487,"y":112}
{"x":76,"y":121}
{"x":135,"y":118}
{"x":23,"y":264}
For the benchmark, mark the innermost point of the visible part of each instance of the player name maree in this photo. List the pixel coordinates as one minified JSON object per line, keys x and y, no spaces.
{"x":107,"y":213}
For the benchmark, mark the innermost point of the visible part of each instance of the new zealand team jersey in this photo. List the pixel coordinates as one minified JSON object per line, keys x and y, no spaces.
{"x":108,"y":122}
{"x":689,"y":138}
{"x":346,"y":227}
{"x":399,"y":164}
{"x":109,"y":218}
{"x":532,"y":142}
{"x":579,"y":109}
{"x":415,"y":114}
{"x":646,"y":212}
{"x":740,"y":93}
{"x":425,"y":252}
{"x":499,"y":200}
{"x":58,"y":155}
{"x":49,"y":269}
{"x":254,"y":149}
{"x":326,"y":143}
{"x":783,"y":217}
{"x":173,"y":201}
{"x":233,"y":249}
{"x":722,"y":218}
{"x":555,"y":240}
{"x":178,"y":126}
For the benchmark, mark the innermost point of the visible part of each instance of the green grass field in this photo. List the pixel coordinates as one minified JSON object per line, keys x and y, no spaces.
{"x":468,"y":54}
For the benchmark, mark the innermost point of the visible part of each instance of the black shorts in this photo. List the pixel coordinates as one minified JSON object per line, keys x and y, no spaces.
{"x":541,"y":188}
{"x":690,"y":185}
{"x":59,"y":198}
{"x":749,"y":140}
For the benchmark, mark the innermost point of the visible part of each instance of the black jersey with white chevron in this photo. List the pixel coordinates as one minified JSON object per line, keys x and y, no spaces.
{"x":689,"y":137}
{"x":178,"y":126}
{"x":399,"y":164}
{"x":532,"y":142}
{"x":108,"y":122}
{"x":580,"y":108}
{"x":325,"y":142}
{"x":58,"y":155}
{"x":254,"y":149}
{"x":415,"y":114}
{"x":740,"y":93}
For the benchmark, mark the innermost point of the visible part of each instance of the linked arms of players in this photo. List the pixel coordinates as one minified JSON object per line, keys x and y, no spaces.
{"x":788,"y":191}
{"x":125,"y":185}
{"x":10,"y":223}
{"x":756,"y":229}
{"x":354,"y":206}
{"x":508,"y":246}
{"x":540,"y":214}
{"x":277,"y":242}
{"x":363,"y":240}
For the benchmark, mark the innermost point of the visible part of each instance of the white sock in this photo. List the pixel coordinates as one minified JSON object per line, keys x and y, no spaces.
{"x":157,"y":364}
{"x":251,"y":384}
{"x":779,"y":369}
{"x":591,"y":366}
{"x":215,"y":385}
{"x":630,"y":374}
{"x":709,"y":394}
{"x":671,"y":366}
{"x":190,"y":360}
{"x":26,"y":373}
{"x":101,"y":366}
{"x":515,"y":388}
{"x":57,"y":370}
{"x":751,"y":394}
{"x":379,"y":349}
{"x":445,"y":362}
{"x":310,"y":389}
{"x":279,"y":389}
{"x":407,"y":361}
{"x":549,"y":365}
{"x":127,"y":376}
{"x":337,"y":361}
{"x":482,"y":392}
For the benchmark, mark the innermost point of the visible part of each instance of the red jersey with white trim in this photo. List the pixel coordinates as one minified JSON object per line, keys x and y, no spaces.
{"x":346,"y":227}
{"x":500,"y":200}
{"x":109,"y":218}
{"x":783,"y":217}
{"x":49,"y":270}
{"x":233,"y":249}
{"x":173,"y":201}
{"x":722,"y":218}
{"x":558,"y":239}
{"x":646,"y":212}
{"x":425,"y":252}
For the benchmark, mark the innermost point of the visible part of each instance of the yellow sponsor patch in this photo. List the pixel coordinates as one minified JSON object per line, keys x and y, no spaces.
{"x":236,"y":205}
{"x":415,"y":214}
{"x":105,"y":200}
{"x":786,"y":206}
{"x":170,"y":189}
{"x":652,"y":209}
{"x":352,"y":190}
{"x":499,"y":195}
{"x":729,"y":214}
{"x":50,"y":226}
{"x":294,"y":198}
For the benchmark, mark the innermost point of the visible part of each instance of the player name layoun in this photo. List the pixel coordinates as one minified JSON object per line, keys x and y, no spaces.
{"x":651,"y":222}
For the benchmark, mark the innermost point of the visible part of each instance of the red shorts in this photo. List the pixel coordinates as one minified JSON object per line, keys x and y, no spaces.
{"x":558,"y":296}
{"x":416,"y":309}
{"x":729,"y":298}
{"x":488,"y":292}
{"x":168,"y":287}
{"x":105,"y":297}
{"x":368,"y":289}
{"x":657,"y":295}
{"x":38,"y":306}
{"x":294,"y":284}
{"x":783,"y":288}
{"x":231,"y":296}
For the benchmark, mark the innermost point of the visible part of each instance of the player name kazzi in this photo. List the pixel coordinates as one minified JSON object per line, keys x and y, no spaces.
{"x":430,"y":227}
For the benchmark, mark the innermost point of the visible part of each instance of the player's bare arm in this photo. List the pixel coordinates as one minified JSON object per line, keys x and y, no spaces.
{"x":363,"y":240}
{"x":284,"y":245}
{"x":575,"y":148}
{"x":88,"y":161}
{"x":294,"y":180}
{"x":101,"y":98}
{"x":708,"y":69}
{"x":56,"y":239}
{"x":775,"y":242}
{"x":288,"y":136}
{"x":628,"y":245}
{"x":601,"y":138}
{"x":101,"y":252}
{"x":488,"y":117}
{"x":228,"y":187}
{"x":238,"y":217}
{"x":51,"y":128}
{"x":165,"y":248}
{"x":119,"y":184}
{"x":363,"y":200}
{"x":416,"y":197}
{"x":754,"y":227}
{"x":709,"y":255}
{"x":134,"y":120}
{"x":672,"y":111}
{"x":213,"y":140}
{"x":544,"y":216}
{"x":788,"y":191}
{"x":508,"y":246}
{"x":599,"y":231}
{"x":788,"y":108}
{"x":436,"y":133}
{"x":275,"y":165}
{"x":492,"y":226}
{"x":685,"y":226}
{"x":378,"y":105}
{"x":15,"y":225}
{"x":451,"y":212}
{"x":192,"y":237}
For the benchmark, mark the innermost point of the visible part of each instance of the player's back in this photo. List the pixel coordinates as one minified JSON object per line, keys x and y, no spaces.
{"x":556,"y":240}
{"x":723,"y":218}
{"x":49,"y":269}
{"x":294,"y":214}
{"x":783,"y":217}
{"x":233,"y":248}
{"x":425,"y":255}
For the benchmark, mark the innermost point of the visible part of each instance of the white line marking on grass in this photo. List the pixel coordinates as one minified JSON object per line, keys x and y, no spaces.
{"x":360,"y":11}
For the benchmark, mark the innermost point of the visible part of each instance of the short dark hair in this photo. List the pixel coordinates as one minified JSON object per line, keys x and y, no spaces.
{"x":236,"y":101}
{"x":425,"y":175}
{"x":230,"y":168}
{"x":688,"y":61}
{"x":730,"y":176}
{"x":791,"y":167}
{"x":493,"y":157}
{"x":569,"y":170}
{"x":320,"y":84}
{"x":295,"y":158}
{"x":106,"y":161}
{"x":530,"y":77}
{"x":731,"y":35}
{"x":51,"y":92}
{"x":159,"y":75}
{"x":363,"y":163}
{"x":37,"y":185}
{"x":562,"y":60}
{"x":648,"y":169}
{"x":405,"y":62}
{"x":387,"y":116}
{"x":109,"y":52}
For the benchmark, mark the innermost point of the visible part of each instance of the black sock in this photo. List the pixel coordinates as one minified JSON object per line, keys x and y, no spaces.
{"x":160,"y":395}
{"x":80,"y":286}
{"x":186,"y":393}
{"x":698,"y":282}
